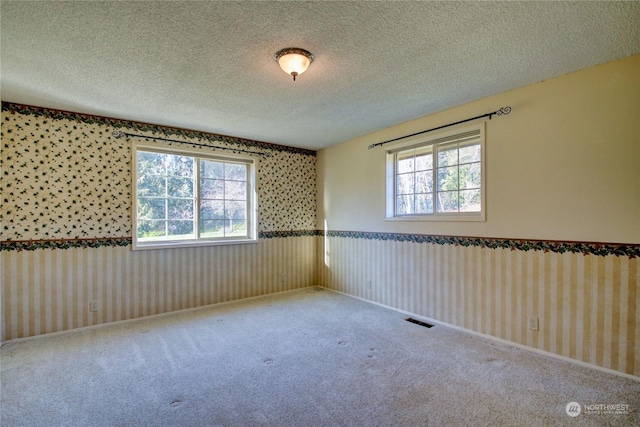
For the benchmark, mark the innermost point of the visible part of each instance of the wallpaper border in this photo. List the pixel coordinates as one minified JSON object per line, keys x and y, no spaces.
{"x":292,"y":233}
{"x":586,"y":248}
{"x":147,"y":127}
{"x":32,"y":245}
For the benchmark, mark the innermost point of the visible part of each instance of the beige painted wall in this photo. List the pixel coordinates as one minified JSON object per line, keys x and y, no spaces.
{"x":564,"y":165}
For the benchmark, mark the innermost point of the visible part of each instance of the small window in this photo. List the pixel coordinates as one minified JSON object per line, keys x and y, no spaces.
{"x":437,"y":178}
{"x":182,"y":198}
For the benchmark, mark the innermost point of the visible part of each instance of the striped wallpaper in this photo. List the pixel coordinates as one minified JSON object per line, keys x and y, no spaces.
{"x":48,"y":290}
{"x":587,"y":305}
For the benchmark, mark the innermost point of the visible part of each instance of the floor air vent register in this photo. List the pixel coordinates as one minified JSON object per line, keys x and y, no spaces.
{"x":418,"y":322}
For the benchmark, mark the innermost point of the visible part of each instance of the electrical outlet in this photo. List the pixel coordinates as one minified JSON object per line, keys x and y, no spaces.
{"x":93,"y":305}
{"x":533,"y":323}
{"x":283,"y":277}
{"x":368,"y":285}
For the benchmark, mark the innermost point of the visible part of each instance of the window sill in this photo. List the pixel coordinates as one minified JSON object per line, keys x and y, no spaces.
{"x":189,"y":244}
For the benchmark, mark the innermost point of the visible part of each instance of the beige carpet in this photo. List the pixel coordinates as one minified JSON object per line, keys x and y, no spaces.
{"x":304,"y":358}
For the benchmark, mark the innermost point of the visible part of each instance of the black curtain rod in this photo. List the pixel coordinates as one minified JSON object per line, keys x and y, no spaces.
{"x":119,"y":134}
{"x":499,"y":112}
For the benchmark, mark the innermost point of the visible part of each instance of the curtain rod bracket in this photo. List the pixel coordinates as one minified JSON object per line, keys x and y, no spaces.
{"x":499,"y":112}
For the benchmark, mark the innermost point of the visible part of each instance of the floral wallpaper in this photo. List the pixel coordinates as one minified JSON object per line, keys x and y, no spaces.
{"x":63,"y":180}
{"x":65,"y":176}
{"x":66,"y":183}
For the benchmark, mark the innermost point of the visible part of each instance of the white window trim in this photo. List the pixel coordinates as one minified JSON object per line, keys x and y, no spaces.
{"x":252,"y":211}
{"x":422,"y":140}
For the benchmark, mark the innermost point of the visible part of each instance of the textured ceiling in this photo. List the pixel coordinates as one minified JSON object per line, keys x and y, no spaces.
{"x":209,"y":66}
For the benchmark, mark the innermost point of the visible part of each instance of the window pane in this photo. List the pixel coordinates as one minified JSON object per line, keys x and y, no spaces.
{"x":179,"y":165}
{"x":148,"y":229}
{"x":238,"y":228}
{"x":448,"y":178}
{"x":180,"y":208}
{"x":211,"y":169}
{"x":424,"y":182}
{"x":448,"y":155}
{"x":405,"y":162}
{"x":405,"y":184}
{"x":235,"y":210}
{"x":424,"y":203}
{"x":404,"y":205}
{"x":150,"y":163}
{"x":151,"y":185}
{"x":151,"y":208}
{"x":470,"y":153}
{"x":469,"y":176}
{"x":235,"y":190}
{"x":212,"y":189}
{"x":470,"y":201}
{"x":227,"y":226}
{"x":424,"y":162}
{"x":178,"y":228}
{"x":213,"y":209}
{"x":223,"y":228}
{"x":212,"y":228}
{"x":448,"y":201}
{"x":235,"y":171}
{"x":180,"y":187}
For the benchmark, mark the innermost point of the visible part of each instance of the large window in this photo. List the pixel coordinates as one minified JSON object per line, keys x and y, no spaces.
{"x":184,"y":198}
{"x":437,"y":178}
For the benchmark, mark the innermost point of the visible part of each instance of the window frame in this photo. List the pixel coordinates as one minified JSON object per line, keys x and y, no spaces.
{"x":198,"y":155}
{"x":434,"y":141}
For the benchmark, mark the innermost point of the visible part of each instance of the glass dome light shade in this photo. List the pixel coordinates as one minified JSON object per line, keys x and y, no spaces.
{"x":294,"y":61}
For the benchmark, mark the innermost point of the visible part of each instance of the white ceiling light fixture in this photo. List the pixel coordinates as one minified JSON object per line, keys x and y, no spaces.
{"x":293,"y":60}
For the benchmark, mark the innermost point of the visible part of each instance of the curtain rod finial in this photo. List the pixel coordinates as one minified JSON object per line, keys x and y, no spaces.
{"x":503,"y":110}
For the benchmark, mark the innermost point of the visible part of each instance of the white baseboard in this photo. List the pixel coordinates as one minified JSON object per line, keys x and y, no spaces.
{"x":490,"y":337}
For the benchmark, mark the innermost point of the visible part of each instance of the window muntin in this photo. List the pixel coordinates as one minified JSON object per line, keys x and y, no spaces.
{"x":190,"y":199}
{"x":437,"y":178}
